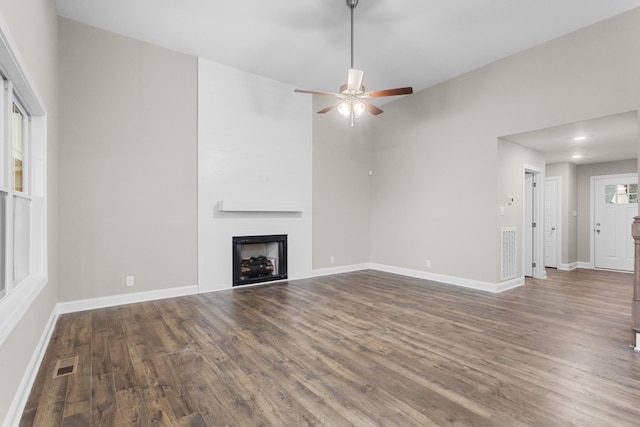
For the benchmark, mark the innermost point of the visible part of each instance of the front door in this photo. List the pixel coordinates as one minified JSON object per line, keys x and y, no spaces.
{"x":615,"y":205}
{"x":551,"y":222}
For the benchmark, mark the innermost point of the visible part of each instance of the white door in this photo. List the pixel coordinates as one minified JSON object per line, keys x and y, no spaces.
{"x":551,"y":228}
{"x":615,"y":205}
{"x":529,"y":221}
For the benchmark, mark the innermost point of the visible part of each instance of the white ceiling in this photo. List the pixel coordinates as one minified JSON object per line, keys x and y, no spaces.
{"x":398,"y":43}
{"x":606,"y":139}
{"x":306,"y":42}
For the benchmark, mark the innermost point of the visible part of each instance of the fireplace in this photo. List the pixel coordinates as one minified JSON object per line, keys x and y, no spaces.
{"x":259,"y":259}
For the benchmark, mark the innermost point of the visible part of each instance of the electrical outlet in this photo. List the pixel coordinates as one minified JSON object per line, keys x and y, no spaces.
{"x":428,"y":263}
{"x":130,"y":281}
{"x":332,"y":259}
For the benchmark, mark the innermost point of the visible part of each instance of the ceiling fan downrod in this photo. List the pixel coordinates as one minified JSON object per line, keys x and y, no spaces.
{"x":351,"y":4}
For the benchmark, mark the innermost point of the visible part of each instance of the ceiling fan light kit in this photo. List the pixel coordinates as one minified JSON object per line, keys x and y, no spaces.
{"x":354,"y":98}
{"x":348,"y":108}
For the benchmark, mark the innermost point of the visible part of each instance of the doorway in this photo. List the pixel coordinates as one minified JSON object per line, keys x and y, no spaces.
{"x":614,"y":203}
{"x":552,"y":233}
{"x":533,"y":239}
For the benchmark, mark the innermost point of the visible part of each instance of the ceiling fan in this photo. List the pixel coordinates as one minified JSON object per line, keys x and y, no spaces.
{"x":354,"y":101}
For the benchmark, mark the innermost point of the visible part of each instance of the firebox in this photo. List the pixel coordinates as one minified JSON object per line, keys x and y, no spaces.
{"x":259,"y":259}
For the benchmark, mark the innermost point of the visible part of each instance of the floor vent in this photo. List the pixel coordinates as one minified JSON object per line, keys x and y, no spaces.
{"x":509,"y":269}
{"x":65,"y":367}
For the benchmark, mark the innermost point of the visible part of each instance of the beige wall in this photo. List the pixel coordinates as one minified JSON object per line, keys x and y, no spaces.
{"x":436,"y":188}
{"x":341,"y":189}
{"x":513,"y":160}
{"x":33,"y":25}
{"x":585,"y":172}
{"x":128,"y":179}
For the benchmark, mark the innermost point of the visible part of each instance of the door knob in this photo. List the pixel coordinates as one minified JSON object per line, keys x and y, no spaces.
{"x":553,"y":229}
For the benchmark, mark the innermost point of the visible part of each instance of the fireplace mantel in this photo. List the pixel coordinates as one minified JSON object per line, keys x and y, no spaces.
{"x":259,"y":206}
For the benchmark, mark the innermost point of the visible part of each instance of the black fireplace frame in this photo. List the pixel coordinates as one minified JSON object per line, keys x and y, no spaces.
{"x":238,"y":241}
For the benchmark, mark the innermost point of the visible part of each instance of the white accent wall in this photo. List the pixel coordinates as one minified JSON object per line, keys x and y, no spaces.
{"x":254,"y":151}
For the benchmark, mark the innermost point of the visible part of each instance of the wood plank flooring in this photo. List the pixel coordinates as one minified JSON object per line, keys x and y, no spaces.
{"x":364,"y":349}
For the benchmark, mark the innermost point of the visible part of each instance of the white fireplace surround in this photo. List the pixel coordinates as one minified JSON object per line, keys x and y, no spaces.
{"x":252,"y":179}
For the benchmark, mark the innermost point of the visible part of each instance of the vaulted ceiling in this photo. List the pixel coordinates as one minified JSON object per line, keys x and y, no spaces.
{"x":306,"y":42}
{"x":419,"y":43}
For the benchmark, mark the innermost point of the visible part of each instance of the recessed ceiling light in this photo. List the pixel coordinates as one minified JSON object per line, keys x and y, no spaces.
{"x":576,"y":156}
{"x":579,"y":138}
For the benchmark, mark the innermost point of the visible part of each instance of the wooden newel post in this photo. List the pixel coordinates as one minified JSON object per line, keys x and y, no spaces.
{"x":635,"y":308}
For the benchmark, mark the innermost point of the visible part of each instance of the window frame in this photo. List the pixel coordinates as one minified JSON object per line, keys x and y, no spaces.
{"x":14,"y":102}
{"x":20,"y":297}
{"x":12,"y":194}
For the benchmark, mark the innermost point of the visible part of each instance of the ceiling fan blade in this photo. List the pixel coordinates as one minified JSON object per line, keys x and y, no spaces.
{"x":316,"y":92}
{"x":354,"y":79}
{"x":390,"y":92}
{"x":329,"y":108}
{"x":372,"y":109}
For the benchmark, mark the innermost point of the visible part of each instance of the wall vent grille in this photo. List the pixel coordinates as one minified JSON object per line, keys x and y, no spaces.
{"x":509,"y":251}
{"x":65,"y":367}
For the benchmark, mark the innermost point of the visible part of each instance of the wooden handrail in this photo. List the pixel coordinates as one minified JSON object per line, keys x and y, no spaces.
{"x":635,"y":307}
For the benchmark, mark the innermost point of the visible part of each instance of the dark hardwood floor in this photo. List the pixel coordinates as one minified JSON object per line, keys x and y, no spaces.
{"x":364,"y":348}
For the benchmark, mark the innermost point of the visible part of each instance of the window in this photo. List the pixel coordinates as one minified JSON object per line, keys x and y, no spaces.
{"x":621,"y":194}
{"x":16,"y":198}
{"x":23,"y":188}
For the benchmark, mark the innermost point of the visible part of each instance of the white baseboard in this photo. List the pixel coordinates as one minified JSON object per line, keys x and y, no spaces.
{"x":341,"y":269}
{"x":22,"y":393}
{"x":452,"y":280}
{"x":568,"y":267}
{"x":449,"y":280}
{"x":511,"y":284}
{"x":113,"y":300}
{"x":590,"y":266}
